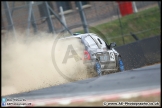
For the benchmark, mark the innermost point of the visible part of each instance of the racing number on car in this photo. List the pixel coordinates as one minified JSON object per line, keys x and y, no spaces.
{"x":112,"y":56}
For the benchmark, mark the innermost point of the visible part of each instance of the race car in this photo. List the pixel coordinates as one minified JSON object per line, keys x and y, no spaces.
{"x":98,"y":55}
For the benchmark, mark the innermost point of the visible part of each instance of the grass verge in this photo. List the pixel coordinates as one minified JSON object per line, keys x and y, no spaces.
{"x":143,"y":24}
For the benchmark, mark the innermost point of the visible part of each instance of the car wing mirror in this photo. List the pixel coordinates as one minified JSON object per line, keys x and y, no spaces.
{"x":112,"y":45}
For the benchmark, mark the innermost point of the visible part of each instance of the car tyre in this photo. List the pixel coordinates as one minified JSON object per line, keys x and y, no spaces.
{"x":120,"y":64}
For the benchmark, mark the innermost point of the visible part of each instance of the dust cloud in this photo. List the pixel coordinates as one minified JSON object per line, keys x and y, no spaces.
{"x":27,"y":65}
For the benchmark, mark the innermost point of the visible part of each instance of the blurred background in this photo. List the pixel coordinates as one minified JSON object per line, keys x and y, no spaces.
{"x":135,"y":27}
{"x":121,"y":22}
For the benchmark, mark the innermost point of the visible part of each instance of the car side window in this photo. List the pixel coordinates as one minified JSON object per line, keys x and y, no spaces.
{"x":91,"y":42}
{"x":99,"y":41}
{"x":103,"y":43}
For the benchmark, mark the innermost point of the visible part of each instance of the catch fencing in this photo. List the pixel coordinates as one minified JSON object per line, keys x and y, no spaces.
{"x":120,"y":22}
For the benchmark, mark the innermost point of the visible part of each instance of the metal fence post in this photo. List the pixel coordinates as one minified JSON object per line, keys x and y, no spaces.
{"x":33,"y":23}
{"x":29,"y":18}
{"x":134,"y":7}
{"x":13,"y":5}
{"x":62,"y":16}
{"x":9,"y":18}
{"x":120,"y":25}
{"x":82,"y":15}
{"x":49,"y":21}
{"x":159,"y":3}
{"x":60,"y":20}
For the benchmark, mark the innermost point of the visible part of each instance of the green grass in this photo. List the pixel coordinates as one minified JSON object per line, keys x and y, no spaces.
{"x":144,"y":24}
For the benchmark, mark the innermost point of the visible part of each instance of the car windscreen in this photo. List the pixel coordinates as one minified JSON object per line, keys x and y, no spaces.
{"x":91,"y":42}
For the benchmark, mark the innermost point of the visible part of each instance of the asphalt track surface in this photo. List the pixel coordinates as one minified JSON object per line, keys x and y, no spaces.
{"x":145,"y":78}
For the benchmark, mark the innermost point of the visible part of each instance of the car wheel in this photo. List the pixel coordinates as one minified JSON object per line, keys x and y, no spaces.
{"x":120,"y":64}
{"x":98,"y":69}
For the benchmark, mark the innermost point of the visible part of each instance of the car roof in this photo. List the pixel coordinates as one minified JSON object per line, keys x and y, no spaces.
{"x":79,"y":35}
